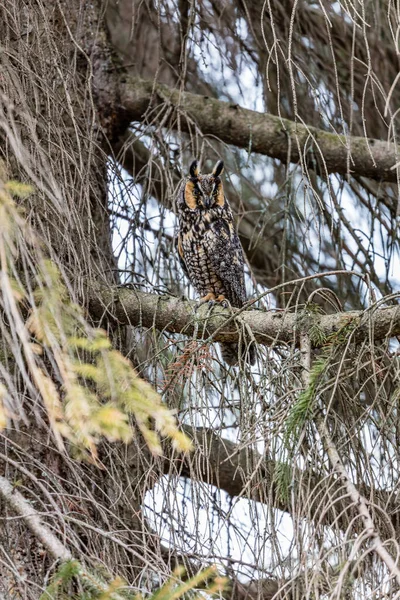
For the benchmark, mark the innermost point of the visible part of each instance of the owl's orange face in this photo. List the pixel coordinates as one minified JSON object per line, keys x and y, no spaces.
{"x":204,"y":191}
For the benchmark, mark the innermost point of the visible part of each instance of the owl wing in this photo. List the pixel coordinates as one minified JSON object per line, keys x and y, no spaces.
{"x":226,"y":258}
{"x":181,"y":257}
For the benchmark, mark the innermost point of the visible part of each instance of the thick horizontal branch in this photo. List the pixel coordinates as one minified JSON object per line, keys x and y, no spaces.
{"x":176,"y":315}
{"x":261,"y":132}
{"x":243,"y":472}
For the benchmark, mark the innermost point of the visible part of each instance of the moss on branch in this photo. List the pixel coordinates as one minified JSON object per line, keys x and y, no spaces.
{"x":263,"y":133}
{"x":177,"y":315}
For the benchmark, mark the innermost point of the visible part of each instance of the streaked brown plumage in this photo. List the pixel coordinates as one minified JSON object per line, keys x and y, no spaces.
{"x":209,"y":246}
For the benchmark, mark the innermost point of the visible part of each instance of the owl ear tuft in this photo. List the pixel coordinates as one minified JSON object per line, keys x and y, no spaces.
{"x":194,"y":169}
{"x":219,"y":167}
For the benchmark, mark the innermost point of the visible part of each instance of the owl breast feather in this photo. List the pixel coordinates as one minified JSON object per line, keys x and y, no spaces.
{"x":214,"y":259}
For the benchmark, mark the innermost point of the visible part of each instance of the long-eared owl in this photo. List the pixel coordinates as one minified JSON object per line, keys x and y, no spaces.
{"x":209,"y":246}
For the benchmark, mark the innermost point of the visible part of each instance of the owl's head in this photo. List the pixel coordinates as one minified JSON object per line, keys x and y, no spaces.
{"x":203,"y":191}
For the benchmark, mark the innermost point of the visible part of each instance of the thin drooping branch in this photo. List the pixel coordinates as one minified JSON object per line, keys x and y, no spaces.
{"x":358,"y":500}
{"x":243,"y":472}
{"x":257,"y":589}
{"x":136,"y":159}
{"x":33,"y":520}
{"x":176,"y":315}
{"x":370,"y":531}
{"x":43,"y":533}
{"x":260,"y":132}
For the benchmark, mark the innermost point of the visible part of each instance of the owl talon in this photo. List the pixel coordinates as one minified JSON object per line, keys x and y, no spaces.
{"x":208,"y":245}
{"x":209,"y":298}
{"x":222,"y":301}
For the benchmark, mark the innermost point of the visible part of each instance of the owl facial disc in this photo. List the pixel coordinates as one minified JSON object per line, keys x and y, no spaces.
{"x":204,"y":191}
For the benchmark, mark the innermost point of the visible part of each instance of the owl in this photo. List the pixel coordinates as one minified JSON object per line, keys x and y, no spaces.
{"x":209,"y":247}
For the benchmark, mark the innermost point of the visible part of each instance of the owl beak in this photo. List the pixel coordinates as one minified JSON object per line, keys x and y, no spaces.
{"x":207,"y":201}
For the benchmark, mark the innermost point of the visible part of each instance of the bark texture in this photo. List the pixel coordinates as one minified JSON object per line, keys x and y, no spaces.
{"x":266,"y":134}
{"x":174,"y":315}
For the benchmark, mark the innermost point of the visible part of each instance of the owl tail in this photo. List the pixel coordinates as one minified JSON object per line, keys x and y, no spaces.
{"x":230,"y":354}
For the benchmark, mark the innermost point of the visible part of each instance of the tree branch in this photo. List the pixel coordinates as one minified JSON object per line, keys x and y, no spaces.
{"x":32,"y":519}
{"x":370,"y":530}
{"x":175,"y":315}
{"x":261,"y":132}
{"x":243,"y":472}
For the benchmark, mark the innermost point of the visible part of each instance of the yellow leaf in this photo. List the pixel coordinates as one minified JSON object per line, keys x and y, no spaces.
{"x":16,"y":188}
{"x":3,"y":416}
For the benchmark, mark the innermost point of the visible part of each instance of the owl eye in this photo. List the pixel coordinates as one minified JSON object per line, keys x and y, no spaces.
{"x":197,"y":192}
